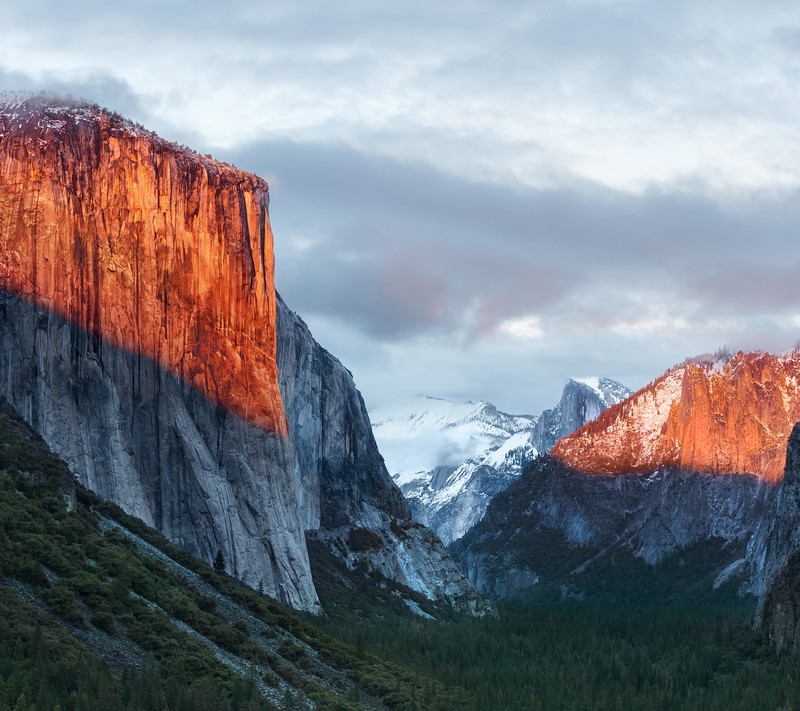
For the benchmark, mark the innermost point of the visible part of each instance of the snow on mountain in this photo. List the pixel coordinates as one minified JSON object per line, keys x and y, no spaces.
{"x":450,"y":459}
{"x":430,"y":433}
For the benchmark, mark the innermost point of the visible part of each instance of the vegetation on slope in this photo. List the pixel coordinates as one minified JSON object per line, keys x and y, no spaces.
{"x":644,"y":649}
{"x":140,"y":624}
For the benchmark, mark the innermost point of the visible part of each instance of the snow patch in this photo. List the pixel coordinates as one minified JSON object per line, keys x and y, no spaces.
{"x":593,"y":383}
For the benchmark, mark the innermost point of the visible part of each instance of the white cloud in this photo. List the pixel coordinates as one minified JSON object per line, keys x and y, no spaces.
{"x":480,"y":202}
{"x":628,"y":95}
{"x":527,"y":328}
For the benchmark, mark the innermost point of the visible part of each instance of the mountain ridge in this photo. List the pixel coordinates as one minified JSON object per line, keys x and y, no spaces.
{"x":716,"y":414}
{"x":450,"y":459}
{"x":682,"y":468}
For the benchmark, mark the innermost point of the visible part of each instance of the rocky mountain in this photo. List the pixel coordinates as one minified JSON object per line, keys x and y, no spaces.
{"x":684,"y":469}
{"x":582,"y":401}
{"x":450,"y":459}
{"x":775,"y":556}
{"x":557,"y":530}
{"x":140,"y":334}
{"x":714,"y":414}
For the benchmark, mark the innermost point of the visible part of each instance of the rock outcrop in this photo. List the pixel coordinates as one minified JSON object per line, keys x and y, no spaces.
{"x":582,"y":400}
{"x":139,"y":436}
{"x":139,"y":335}
{"x":712,"y":414}
{"x":556,"y":529}
{"x":339,"y":469}
{"x":775,"y":556}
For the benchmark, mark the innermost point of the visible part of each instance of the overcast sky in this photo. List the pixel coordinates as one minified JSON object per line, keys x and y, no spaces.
{"x":480,"y":201}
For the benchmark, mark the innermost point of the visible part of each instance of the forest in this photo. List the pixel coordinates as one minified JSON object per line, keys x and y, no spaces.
{"x":661,"y":652}
{"x":90,"y":621}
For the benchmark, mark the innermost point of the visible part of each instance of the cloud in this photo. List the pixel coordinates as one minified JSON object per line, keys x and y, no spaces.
{"x":103,"y":89}
{"x":481,"y":200}
{"x":401,"y":249}
{"x":628,"y":94}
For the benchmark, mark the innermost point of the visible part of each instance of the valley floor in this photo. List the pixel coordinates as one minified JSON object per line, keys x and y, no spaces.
{"x":578,"y":656}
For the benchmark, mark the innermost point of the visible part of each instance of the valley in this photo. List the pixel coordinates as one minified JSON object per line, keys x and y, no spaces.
{"x":102,"y":610}
{"x":198,"y":511}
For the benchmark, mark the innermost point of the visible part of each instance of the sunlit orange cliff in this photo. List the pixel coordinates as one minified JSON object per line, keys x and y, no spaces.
{"x":713,"y":415}
{"x":145,"y":245}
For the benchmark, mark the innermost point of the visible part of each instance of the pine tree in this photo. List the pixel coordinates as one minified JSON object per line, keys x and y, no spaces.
{"x":219,"y":562}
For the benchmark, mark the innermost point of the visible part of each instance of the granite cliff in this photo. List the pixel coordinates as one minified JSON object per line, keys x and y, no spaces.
{"x":684,"y":469}
{"x":347,"y":498}
{"x":582,"y":400}
{"x":711,"y":414}
{"x":775,"y":555}
{"x":140,"y":334}
{"x":146,"y":247}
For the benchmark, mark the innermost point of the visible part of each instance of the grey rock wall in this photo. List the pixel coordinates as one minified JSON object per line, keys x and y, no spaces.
{"x":342,"y":477}
{"x":343,"y":481}
{"x":774,"y":555}
{"x":552,"y":524}
{"x":140,"y":437}
{"x":578,"y":405}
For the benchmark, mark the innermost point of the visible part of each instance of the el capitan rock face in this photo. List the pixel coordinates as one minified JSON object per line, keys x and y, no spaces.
{"x":139,"y":336}
{"x":714,"y":415}
{"x":146,"y":247}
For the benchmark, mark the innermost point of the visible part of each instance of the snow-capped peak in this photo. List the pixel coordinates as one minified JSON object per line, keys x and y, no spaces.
{"x":429,"y":432}
{"x":450,"y":458}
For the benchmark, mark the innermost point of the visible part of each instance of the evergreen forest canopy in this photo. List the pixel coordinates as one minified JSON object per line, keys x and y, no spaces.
{"x":101,"y":612}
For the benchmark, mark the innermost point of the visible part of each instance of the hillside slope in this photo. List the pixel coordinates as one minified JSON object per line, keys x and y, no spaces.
{"x":90,"y":593}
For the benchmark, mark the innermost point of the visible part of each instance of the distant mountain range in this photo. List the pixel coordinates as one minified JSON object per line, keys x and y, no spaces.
{"x":671,"y":489}
{"x":450,"y":459}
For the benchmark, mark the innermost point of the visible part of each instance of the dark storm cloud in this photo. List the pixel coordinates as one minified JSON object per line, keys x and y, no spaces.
{"x":403,"y":249}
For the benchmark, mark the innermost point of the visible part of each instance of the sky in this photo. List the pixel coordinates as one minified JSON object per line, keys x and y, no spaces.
{"x":479,"y":200}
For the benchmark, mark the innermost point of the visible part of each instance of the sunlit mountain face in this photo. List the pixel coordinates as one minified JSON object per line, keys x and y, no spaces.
{"x":145,"y":245}
{"x":717,"y":414}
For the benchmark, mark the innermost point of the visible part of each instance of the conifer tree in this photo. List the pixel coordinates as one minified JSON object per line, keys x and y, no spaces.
{"x":219,"y":562}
